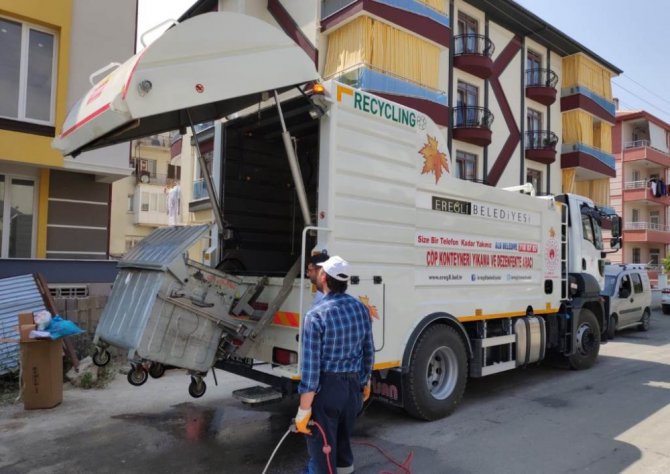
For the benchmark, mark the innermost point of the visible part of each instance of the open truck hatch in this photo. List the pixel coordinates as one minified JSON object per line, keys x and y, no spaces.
{"x":207,"y":67}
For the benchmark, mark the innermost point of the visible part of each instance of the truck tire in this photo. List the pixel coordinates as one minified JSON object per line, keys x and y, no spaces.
{"x":437,"y":375}
{"x":587,"y":341}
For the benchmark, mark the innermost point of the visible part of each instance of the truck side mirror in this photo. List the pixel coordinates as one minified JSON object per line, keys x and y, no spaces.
{"x":616,"y":227}
{"x":615,"y":243}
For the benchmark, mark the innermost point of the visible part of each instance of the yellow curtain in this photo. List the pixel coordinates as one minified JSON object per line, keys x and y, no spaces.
{"x":600,"y":191}
{"x":371,"y":42}
{"x":577,"y":127}
{"x":439,"y":5}
{"x":606,"y":137}
{"x":583,"y":188}
{"x":597,"y":134}
{"x":568,"y":175}
{"x":347,"y":47}
{"x":580,"y":70}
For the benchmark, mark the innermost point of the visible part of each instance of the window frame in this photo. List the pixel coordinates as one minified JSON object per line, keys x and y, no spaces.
{"x":6,"y":202}
{"x":538,"y":179}
{"x":26,"y":27}
{"x":465,"y":157}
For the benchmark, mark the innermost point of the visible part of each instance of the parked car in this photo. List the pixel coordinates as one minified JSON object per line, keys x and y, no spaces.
{"x":629,"y":290}
{"x":665,"y":300}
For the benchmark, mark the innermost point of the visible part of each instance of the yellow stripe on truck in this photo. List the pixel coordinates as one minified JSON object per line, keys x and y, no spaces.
{"x":516,"y":314}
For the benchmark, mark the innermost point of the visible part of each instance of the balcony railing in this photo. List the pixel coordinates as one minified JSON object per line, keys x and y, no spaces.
{"x":472,"y":117}
{"x":636,"y":144}
{"x":639,"y":184}
{"x":199,"y":190}
{"x":473,"y":44}
{"x":538,"y":77}
{"x":541,"y":140}
{"x":146,"y":177}
{"x":639,"y":225}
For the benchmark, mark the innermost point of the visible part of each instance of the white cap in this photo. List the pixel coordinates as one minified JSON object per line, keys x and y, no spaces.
{"x":336,"y":267}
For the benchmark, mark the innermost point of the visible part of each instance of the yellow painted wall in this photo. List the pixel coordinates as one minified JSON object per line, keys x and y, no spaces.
{"x":55,"y":15}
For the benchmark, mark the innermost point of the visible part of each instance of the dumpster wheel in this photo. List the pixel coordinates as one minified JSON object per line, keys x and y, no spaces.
{"x":197,"y":387}
{"x":137,"y":375}
{"x":156,"y":370}
{"x":101,"y":357}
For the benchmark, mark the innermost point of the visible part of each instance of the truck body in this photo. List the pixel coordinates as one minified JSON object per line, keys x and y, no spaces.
{"x":461,"y":279}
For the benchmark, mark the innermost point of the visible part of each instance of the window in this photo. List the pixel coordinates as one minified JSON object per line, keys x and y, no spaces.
{"x":27,"y":80}
{"x":17,"y":203}
{"x":636,"y":175}
{"x":635,"y":215}
{"x":467,"y":99}
{"x":637,"y":283}
{"x":654,"y":220}
{"x":636,"y":255}
{"x":468,"y":28}
{"x":147,"y":167}
{"x":131,"y":203}
{"x":534,"y":177}
{"x":592,"y":232}
{"x":534,"y":128}
{"x":174,"y":172}
{"x":654,"y":257}
{"x":534,"y":69}
{"x":466,"y":166}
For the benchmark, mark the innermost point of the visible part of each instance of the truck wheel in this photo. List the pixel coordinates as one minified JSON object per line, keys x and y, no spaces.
{"x":645,"y":321}
{"x":437,"y":374}
{"x":611,"y":327}
{"x":587,"y":341}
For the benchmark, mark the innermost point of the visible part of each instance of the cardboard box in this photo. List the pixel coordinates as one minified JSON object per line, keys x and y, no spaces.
{"x":42,"y":373}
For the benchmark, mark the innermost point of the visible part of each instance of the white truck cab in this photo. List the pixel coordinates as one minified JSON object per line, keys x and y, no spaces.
{"x":629,"y":290}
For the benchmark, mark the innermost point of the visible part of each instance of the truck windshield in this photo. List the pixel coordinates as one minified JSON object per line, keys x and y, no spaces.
{"x":592,"y":232}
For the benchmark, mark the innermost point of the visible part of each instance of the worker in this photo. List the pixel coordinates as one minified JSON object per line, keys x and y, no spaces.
{"x":336,"y":365}
{"x":312,"y":271}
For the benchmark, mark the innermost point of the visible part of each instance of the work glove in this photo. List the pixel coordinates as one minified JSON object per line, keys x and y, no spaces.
{"x":301,"y":420}
{"x":366,"y":392}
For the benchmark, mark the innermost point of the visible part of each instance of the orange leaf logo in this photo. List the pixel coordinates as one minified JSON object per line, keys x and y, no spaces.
{"x":372,"y":309}
{"x":434,"y":159}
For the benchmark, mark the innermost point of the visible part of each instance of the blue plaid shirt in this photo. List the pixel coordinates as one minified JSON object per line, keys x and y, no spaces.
{"x":336,"y":337}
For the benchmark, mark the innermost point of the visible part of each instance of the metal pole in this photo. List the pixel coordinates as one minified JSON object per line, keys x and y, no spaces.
{"x":295,"y":168}
{"x":218,"y":214}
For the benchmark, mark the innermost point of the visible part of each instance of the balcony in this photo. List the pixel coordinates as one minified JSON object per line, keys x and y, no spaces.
{"x":640,"y":152}
{"x":540,"y":146}
{"x":640,"y":191}
{"x":541,"y":85}
{"x":646,"y":232}
{"x":150,"y":205}
{"x":591,"y":162}
{"x":473,"y":125}
{"x":473,"y":54}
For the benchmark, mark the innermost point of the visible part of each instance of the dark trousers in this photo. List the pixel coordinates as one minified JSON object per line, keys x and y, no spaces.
{"x":335,"y":408}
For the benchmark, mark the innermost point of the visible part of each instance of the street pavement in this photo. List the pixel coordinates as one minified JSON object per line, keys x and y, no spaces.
{"x":612,"y":418}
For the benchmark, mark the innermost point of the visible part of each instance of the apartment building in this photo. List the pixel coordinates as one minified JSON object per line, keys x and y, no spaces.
{"x":53,"y":206}
{"x":517,"y":100}
{"x":148,"y":198}
{"x":640,"y":194}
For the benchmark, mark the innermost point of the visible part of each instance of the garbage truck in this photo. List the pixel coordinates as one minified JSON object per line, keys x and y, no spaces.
{"x":461,"y":279}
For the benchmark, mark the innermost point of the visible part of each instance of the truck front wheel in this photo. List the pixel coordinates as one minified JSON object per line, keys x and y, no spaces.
{"x":437,"y":374}
{"x":587,"y":341}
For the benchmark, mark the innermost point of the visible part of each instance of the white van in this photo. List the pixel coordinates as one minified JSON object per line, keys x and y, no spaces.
{"x":629,"y":290}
